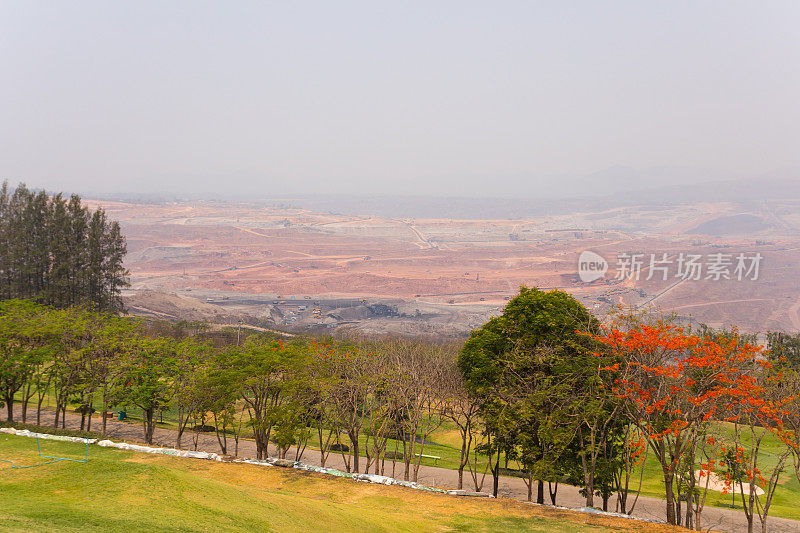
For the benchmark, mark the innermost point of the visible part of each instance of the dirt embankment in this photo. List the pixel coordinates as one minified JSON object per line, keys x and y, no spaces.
{"x":174,"y":307}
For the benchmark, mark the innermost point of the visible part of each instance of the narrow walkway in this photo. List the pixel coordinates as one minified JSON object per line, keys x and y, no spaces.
{"x":715,"y":519}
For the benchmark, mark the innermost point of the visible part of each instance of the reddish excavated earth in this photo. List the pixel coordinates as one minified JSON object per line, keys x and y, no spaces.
{"x":460,"y":269}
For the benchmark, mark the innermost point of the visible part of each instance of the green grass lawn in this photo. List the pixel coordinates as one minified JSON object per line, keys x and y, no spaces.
{"x":125,"y":491}
{"x":447,"y":442}
{"x":787,"y":497}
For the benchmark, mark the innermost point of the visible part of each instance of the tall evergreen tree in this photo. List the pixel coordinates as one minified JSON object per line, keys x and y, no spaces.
{"x":58,"y":252}
{"x":58,"y":293}
{"x":115,"y":275}
{"x":5,"y":265}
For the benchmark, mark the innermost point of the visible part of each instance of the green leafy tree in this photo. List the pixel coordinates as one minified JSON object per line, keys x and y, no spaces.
{"x":26,"y":332}
{"x":784,"y":349}
{"x":265,"y":369}
{"x":148,"y":378}
{"x":541,"y":385}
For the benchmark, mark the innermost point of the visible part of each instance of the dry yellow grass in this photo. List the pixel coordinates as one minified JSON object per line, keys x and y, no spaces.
{"x":124,"y":491}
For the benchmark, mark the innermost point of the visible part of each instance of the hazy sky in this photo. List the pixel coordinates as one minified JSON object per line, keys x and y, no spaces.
{"x":463,"y":98}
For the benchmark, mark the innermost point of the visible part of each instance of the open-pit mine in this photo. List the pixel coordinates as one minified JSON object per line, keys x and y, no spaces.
{"x":295,"y":269}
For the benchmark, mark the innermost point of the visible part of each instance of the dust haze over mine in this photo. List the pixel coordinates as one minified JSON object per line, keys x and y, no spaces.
{"x":404,"y":169}
{"x":400,"y":266}
{"x":441,"y":266}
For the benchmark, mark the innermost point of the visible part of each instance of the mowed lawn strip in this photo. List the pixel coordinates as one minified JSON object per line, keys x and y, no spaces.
{"x":126,"y":491}
{"x":447,"y":444}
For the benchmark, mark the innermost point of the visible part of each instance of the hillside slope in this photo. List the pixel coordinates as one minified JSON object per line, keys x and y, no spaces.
{"x":124,"y":491}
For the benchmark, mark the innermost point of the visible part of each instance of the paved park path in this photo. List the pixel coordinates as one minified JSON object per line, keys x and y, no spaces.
{"x":713,"y":518}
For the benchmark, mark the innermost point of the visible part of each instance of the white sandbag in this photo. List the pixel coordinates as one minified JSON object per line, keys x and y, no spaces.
{"x":252,"y":462}
{"x":191,"y":454}
{"x":374,"y":478}
{"x":47,"y":436}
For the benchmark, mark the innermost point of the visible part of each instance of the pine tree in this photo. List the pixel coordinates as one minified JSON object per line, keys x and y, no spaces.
{"x":58,"y":286}
{"x":5,"y":265}
{"x":58,"y":252}
{"x":78,"y":246}
{"x":115,"y":275}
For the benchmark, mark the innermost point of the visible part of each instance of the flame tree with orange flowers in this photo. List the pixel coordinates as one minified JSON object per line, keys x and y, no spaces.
{"x":763,"y":403}
{"x":674,"y":384}
{"x":668,"y":388}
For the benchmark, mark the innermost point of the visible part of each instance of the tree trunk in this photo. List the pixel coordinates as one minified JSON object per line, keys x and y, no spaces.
{"x":588,"y":476}
{"x":553,"y":490}
{"x":181,"y":430}
{"x":149,"y":425}
{"x":236,"y":434}
{"x":222,"y":439}
{"x":26,"y":396}
{"x":622,"y":501}
{"x":670,"y":498}
{"x":105,"y":410}
{"x":259,"y":436}
{"x":10,"y":407}
{"x":496,"y":475}
{"x":354,"y":442}
{"x":406,"y":459}
{"x":462,"y":460}
{"x":589,"y":487}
